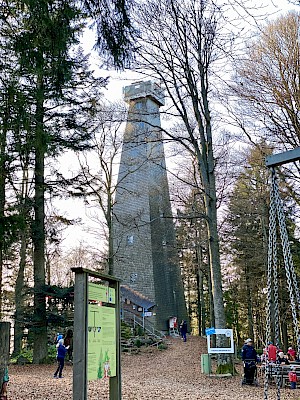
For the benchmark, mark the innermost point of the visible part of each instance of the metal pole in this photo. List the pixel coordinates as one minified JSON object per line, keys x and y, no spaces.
{"x":283,"y":158}
{"x":143,"y":318}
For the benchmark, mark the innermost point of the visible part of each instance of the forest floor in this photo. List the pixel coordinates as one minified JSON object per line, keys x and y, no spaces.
{"x":174,"y":374}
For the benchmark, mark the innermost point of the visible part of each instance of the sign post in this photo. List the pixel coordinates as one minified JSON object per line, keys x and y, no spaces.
{"x":97,"y":327}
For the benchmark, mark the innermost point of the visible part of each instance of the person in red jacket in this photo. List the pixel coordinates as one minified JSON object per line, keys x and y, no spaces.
{"x":272,"y":352}
{"x":293,"y":377}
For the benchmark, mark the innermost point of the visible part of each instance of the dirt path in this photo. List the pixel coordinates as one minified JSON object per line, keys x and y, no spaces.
{"x":167,"y":375}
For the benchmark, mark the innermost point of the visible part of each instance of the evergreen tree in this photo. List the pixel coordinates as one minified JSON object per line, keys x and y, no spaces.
{"x":47,"y":30}
{"x":246,"y":238}
{"x":40,"y":116}
{"x":192,"y":240}
{"x":247,"y":223}
{"x":46,"y":71}
{"x":115,"y":33}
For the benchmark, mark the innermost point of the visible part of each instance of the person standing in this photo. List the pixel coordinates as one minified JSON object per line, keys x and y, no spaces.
{"x":293,"y":377}
{"x":249,"y":357}
{"x":60,"y":357}
{"x":183,"y":330}
{"x":292,"y":354}
{"x":272,"y":352}
{"x":282,"y":359}
{"x":248,"y":351}
{"x":69,"y":344}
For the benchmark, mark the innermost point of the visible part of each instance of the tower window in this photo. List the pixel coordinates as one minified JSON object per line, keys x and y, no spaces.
{"x":130,"y":240}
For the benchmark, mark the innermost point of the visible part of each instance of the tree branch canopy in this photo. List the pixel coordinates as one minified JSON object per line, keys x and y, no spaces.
{"x":114,"y":29}
{"x":268,"y":81}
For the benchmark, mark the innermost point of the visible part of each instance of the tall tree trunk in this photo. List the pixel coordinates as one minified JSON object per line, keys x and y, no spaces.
{"x":237,"y":325}
{"x":249,"y":306}
{"x":19,"y":286}
{"x":215,"y":265}
{"x":4,"y":355}
{"x":201,"y":302}
{"x":210,"y":295}
{"x":2,"y":224}
{"x":3,"y":172}
{"x":207,"y":173}
{"x":206,"y":167}
{"x":110,"y":232}
{"x":189,"y":298}
{"x":40,"y":320}
{"x":19,"y":297}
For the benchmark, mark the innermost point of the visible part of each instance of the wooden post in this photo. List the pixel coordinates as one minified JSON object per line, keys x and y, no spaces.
{"x":4,"y":356}
{"x":80,"y":337}
{"x":81,"y":334}
{"x":115,"y":390}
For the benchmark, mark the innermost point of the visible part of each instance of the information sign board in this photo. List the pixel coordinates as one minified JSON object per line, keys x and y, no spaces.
{"x":227,"y":339}
{"x":101,"y":360}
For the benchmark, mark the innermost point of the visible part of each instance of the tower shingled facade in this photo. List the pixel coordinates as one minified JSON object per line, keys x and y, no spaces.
{"x":145,"y":254}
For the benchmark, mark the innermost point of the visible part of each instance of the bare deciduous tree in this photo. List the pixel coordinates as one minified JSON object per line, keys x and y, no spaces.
{"x":97,"y":176}
{"x":179,"y":46}
{"x":268,"y":81}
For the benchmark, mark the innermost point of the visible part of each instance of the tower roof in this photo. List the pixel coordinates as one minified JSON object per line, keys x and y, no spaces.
{"x":142,"y":89}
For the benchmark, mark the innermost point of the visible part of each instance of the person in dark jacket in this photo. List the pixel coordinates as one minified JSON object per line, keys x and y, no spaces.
{"x":249,"y":356}
{"x":61,"y":354}
{"x":69,"y":344}
{"x":183,"y":330}
{"x":248,"y":351}
{"x":282,"y":358}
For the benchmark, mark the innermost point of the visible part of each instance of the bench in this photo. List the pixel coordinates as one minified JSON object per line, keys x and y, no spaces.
{"x":282,"y":371}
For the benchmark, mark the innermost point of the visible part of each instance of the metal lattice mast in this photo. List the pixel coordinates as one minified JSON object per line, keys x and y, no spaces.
{"x":272,"y":293}
{"x":277,"y":213}
{"x":287,"y":256}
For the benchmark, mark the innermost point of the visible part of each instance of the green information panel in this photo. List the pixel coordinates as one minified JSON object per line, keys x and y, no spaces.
{"x":111,"y":295}
{"x":101,"y":333}
{"x":102,"y":293}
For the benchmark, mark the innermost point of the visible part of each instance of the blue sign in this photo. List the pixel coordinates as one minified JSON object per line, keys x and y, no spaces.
{"x":210,"y":331}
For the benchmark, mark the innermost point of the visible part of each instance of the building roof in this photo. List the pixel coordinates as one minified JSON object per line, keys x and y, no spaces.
{"x":136,"y":297}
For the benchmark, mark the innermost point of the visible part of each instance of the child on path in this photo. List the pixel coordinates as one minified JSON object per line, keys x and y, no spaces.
{"x":293,"y":377}
{"x":61,"y":353}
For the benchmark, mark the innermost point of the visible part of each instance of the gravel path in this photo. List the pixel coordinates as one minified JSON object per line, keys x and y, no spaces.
{"x":152,"y":374}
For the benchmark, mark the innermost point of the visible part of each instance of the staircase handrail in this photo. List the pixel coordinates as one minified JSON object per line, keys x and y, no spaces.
{"x":145,"y":324}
